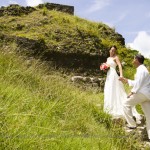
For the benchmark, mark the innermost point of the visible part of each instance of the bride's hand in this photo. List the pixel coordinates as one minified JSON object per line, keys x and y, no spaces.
{"x":131,"y":93}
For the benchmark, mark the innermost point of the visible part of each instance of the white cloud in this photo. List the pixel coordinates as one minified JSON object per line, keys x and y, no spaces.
{"x":34,"y":2}
{"x":141,"y":43}
{"x":97,"y":5}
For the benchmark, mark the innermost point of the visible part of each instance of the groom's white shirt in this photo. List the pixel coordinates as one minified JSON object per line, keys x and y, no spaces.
{"x":141,"y":83}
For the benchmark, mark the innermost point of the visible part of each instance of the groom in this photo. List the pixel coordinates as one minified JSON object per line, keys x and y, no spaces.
{"x":140,"y":93}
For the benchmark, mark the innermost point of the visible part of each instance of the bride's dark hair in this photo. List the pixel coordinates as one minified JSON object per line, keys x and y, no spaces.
{"x":113,"y":46}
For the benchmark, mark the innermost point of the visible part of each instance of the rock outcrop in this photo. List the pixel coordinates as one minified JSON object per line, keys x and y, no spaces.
{"x":17,"y":10}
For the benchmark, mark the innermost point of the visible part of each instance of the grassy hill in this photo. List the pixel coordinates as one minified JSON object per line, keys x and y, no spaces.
{"x":67,"y":41}
{"x":39,"y":108}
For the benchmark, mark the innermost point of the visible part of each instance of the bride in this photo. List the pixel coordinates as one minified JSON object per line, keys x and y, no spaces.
{"x":114,"y":92}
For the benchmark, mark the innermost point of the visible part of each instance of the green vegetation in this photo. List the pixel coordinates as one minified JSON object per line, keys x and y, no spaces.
{"x":39,"y":108}
{"x":63,"y":33}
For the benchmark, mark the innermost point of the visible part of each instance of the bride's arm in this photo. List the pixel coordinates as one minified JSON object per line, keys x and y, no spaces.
{"x":119,"y":65}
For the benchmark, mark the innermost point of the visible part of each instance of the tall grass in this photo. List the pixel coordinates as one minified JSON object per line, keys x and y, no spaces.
{"x":39,"y":109}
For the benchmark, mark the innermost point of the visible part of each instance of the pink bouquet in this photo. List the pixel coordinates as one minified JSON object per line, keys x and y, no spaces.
{"x":104,"y":67}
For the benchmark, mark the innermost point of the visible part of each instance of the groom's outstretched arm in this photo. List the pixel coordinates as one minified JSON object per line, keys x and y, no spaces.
{"x":125,"y":80}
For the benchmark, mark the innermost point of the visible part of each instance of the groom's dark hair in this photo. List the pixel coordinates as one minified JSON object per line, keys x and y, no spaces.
{"x":140,"y":58}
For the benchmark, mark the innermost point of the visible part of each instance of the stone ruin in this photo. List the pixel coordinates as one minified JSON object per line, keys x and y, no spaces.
{"x":92,"y":82}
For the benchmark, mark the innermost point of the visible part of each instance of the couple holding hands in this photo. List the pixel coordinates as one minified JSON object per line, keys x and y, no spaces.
{"x":117,"y":102}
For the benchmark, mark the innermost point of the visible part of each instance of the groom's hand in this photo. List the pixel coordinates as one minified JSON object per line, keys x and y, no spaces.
{"x":123,"y":79}
{"x":120,"y":78}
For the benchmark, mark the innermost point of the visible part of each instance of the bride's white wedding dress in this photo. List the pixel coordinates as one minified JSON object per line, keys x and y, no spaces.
{"x":114,"y":93}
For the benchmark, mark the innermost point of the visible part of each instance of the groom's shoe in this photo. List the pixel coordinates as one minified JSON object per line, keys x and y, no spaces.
{"x":129,"y":127}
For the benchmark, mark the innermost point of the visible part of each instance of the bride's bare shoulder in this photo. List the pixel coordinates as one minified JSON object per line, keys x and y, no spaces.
{"x":116,"y":57}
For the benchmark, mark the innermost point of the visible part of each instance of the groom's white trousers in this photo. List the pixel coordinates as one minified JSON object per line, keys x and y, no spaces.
{"x":135,"y":99}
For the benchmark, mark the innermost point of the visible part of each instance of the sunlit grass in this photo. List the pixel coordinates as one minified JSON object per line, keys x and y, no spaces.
{"x":40,"y":109}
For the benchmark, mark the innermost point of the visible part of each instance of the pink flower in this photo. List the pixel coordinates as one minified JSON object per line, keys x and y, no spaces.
{"x":104,"y":67}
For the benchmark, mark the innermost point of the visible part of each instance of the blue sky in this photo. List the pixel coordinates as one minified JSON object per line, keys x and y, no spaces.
{"x":130,"y":18}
